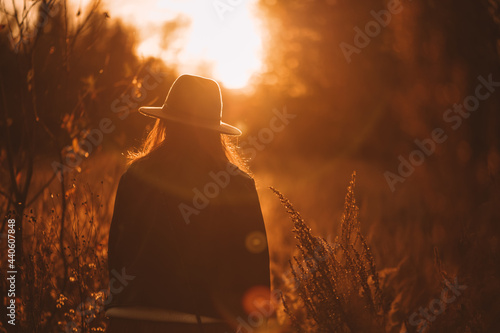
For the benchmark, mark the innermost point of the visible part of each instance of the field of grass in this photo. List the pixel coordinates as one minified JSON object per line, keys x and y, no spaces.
{"x":420,"y":274}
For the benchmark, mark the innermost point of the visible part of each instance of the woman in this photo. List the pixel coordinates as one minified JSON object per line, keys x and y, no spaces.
{"x":187,"y":229}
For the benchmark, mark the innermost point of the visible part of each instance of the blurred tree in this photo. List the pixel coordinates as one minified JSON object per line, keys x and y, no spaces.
{"x":367,"y":79}
{"x":69,"y":77}
{"x":54,"y":63}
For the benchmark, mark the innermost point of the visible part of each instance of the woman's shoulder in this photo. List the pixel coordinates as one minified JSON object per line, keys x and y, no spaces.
{"x":143,"y":165}
{"x":130,"y":171}
{"x":237,"y":171}
{"x":144,"y":171}
{"x":134,"y":174}
{"x":139,"y":173}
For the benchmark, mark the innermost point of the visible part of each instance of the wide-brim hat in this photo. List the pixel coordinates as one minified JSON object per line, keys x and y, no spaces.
{"x":193,"y":100}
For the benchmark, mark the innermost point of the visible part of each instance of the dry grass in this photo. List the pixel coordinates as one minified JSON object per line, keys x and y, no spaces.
{"x":334,"y":285}
{"x":66,"y":295}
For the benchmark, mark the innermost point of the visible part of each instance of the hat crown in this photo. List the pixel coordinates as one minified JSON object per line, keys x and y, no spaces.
{"x":195,"y":96}
{"x":193,"y":100}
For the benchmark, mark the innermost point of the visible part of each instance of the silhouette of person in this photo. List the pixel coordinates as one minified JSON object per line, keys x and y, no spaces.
{"x":187,"y":244}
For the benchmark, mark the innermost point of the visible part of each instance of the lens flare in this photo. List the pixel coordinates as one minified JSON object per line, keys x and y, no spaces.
{"x":258,"y":300}
{"x":256,"y":242}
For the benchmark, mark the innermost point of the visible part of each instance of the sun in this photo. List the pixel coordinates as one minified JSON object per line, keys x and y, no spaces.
{"x":235,"y":53}
{"x":221,"y":38}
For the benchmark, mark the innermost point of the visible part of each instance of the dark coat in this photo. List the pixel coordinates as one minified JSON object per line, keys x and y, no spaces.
{"x":197,"y":264}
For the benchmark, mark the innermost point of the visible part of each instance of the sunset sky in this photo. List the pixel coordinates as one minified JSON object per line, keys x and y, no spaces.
{"x":217,"y":38}
{"x":222,"y":35}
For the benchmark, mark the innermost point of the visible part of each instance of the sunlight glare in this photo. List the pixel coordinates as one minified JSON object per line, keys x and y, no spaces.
{"x":223,"y":45}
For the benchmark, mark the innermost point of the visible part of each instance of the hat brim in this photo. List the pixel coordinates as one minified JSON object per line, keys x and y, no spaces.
{"x":159,"y":112}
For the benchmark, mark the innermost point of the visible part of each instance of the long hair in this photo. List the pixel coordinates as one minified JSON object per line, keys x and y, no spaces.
{"x":218,"y":146}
